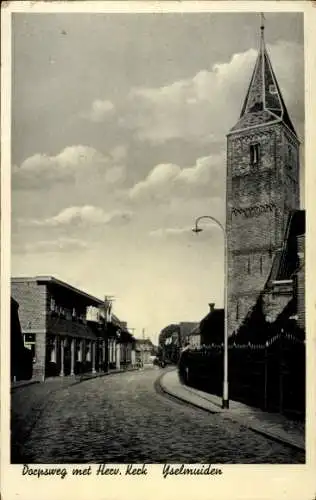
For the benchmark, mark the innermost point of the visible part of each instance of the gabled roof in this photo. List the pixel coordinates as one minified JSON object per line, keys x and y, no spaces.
{"x":88,"y":299}
{"x":264,"y":103}
{"x":51,"y":280}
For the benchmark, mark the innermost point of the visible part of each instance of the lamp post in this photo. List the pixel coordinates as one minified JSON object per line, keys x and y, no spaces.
{"x":197,"y":229}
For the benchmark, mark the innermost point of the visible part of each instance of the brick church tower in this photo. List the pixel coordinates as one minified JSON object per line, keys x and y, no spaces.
{"x":262,"y":187}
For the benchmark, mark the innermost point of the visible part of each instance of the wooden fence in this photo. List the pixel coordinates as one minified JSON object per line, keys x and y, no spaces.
{"x":270,"y":376}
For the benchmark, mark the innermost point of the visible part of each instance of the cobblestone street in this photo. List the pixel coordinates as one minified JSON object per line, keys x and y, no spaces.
{"x":122,"y":419}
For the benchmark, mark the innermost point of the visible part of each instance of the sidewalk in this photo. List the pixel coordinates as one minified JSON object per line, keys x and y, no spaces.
{"x":272,"y":425}
{"x":68,"y":379}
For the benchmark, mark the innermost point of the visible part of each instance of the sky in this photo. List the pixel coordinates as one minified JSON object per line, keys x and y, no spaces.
{"x":119,"y":126}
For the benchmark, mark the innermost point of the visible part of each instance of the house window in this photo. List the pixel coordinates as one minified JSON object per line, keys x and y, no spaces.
{"x":79,"y":348}
{"x":254,"y":154}
{"x":51,"y":348}
{"x":30,"y":343}
{"x":68,"y":314}
{"x":88,"y":351}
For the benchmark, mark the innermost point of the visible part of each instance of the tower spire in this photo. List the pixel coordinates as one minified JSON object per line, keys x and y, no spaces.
{"x":263,"y":103}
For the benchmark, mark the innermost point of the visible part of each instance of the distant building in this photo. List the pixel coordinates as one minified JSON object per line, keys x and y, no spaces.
{"x":194,"y":337}
{"x":144,"y":349}
{"x":210,"y":330}
{"x":65,"y":329}
{"x":185,"y":328}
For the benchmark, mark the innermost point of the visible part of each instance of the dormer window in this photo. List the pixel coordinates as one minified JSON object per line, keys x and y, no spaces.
{"x":273,"y":89}
{"x":254,"y":153}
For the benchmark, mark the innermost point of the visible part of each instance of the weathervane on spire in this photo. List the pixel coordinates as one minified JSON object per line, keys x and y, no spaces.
{"x":262,"y":29}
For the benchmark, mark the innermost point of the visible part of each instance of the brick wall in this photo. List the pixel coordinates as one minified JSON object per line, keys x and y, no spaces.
{"x":32,"y":299}
{"x":259,"y":198}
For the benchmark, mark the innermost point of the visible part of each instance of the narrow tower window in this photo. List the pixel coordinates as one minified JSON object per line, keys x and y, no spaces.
{"x":261,"y":264}
{"x":289,"y":156}
{"x":254,"y":153}
{"x":248,"y":265}
{"x":237,"y":310}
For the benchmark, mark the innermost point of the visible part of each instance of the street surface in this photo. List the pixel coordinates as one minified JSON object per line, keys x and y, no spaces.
{"x":122,"y":419}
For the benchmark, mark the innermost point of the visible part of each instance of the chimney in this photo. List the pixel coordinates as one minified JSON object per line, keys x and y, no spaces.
{"x":212,"y":306}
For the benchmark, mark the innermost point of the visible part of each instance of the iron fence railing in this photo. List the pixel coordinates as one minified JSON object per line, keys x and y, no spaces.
{"x":270,"y":376}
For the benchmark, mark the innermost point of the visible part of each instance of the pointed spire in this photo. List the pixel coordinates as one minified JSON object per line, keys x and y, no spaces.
{"x":263,"y":102}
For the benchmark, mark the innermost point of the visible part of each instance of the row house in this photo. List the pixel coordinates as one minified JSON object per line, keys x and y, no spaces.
{"x":66,"y":329}
{"x":21,"y":357}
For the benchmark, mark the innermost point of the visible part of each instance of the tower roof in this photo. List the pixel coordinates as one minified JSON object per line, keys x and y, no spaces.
{"x":264,"y":102}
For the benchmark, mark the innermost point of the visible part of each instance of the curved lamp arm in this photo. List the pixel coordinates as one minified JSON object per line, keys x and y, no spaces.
{"x":197,"y":229}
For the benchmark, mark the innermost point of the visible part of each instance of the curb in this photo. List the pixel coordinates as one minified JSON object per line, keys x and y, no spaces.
{"x":162,"y":389}
{"x":99,"y":375}
{"x":74,"y":382}
{"x":26,"y":384}
{"x":234,"y":418}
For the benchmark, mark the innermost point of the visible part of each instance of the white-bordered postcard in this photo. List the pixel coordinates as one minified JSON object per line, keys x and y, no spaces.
{"x":157,"y":284}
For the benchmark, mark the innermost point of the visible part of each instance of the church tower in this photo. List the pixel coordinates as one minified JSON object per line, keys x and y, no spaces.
{"x":262,"y":187}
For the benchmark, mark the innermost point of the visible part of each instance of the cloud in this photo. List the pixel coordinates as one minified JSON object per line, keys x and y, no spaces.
{"x":204,"y":107}
{"x":170,"y":231}
{"x":205,"y":178}
{"x":41,"y":170}
{"x":61,"y":244}
{"x":86,"y":215}
{"x":100,"y":111}
{"x":119,"y":153}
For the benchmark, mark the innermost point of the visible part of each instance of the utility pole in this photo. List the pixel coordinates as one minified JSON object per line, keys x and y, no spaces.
{"x":108,"y":300}
{"x":143,"y":349}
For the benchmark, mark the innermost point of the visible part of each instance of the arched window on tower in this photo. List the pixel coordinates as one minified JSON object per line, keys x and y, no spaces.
{"x":261,"y":264}
{"x":237,"y":310}
{"x":254,"y":154}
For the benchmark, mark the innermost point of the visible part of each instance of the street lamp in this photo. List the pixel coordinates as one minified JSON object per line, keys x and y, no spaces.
{"x":197,"y":229}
